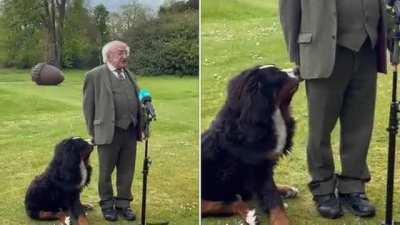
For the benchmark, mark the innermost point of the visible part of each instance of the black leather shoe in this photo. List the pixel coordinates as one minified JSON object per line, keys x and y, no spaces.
{"x":328,"y":206}
{"x":110,"y":214}
{"x":127,"y":213}
{"x":357,"y":204}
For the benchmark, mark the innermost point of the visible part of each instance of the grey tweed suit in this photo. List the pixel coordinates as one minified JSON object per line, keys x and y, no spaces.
{"x":339,"y":57}
{"x":114,"y":119}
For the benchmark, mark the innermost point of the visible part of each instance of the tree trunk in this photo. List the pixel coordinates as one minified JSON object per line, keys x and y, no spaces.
{"x":53,"y":56}
{"x":54,"y":20}
{"x":60,"y":7}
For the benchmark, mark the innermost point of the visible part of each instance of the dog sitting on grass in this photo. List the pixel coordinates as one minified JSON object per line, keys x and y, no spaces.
{"x":55,"y":194}
{"x":242,"y":146}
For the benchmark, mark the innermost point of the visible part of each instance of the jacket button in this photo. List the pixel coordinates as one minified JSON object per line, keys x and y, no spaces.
{"x":333,"y":37}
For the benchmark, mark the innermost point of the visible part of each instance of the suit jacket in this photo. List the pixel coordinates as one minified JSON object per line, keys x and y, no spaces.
{"x":98,"y":105}
{"x":310,"y":30}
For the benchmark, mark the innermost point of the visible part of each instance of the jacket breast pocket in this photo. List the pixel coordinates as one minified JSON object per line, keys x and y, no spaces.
{"x":304,"y":38}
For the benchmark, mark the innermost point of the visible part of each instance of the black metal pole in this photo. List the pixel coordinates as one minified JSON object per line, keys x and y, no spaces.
{"x":393,"y":120}
{"x":393,"y":128}
{"x":146,"y":165}
{"x":150,"y":116}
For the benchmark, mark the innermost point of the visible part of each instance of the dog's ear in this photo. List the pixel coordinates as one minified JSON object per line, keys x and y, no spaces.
{"x":256,"y":101}
{"x":238,"y":87}
{"x":255,"y":109}
{"x":238,"y":83}
{"x":69,"y":158}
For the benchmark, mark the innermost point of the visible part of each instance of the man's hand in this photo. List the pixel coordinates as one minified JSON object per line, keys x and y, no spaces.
{"x":90,"y":140}
{"x":296,"y":72}
{"x":144,"y":137}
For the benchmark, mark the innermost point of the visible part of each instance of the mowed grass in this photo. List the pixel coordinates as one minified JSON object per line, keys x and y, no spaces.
{"x":34,"y":118}
{"x":238,"y":34}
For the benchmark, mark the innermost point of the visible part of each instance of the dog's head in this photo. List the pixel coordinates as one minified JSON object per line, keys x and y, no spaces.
{"x":259,"y":91}
{"x":259,"y":105}
{"x":70,"y":168}
{"x":71,"y":151}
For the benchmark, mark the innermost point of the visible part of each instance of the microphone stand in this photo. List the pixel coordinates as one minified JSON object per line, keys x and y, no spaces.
{"x":393,"y":119}
{"x":146,"y":167}
{"x":149,"y":116}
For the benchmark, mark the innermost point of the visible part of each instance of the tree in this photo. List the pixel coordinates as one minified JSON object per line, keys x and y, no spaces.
{"x":53,"y":17}
{"x":133,"y":14}
{"x":80,"y":48}
{"x":21,"y":32}
{"x":194,"y":4}
{"x":167,"y":44}
{"x":173,"y":6}
{"x":66,"y":34}
{"x":130,"y":16}
{"x":101,"y":16}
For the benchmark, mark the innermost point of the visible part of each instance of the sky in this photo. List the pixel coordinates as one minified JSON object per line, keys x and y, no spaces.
{"x":113,"y":5}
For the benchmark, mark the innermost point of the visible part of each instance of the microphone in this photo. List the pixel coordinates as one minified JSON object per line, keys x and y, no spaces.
{"x":145,"y":99}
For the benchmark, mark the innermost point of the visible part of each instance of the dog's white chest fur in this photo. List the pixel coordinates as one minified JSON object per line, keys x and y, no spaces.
{"x":280,"y":132}
{"x":84,"y":173}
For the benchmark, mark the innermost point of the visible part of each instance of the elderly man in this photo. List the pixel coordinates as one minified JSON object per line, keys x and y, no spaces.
{"x":339,"y":47}
{"x":114,"y":119}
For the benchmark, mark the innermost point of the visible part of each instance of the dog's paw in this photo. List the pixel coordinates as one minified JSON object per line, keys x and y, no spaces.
{"x":292,"y":192}
{"x":87,"y":207}
{"x":288,"y":192}
{"x":67,"y":221}
{"x":285,"y":205}
{"x":251,"y":218}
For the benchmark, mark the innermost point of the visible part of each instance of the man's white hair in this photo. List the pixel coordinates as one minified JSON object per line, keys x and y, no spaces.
{"x":106,"y":48}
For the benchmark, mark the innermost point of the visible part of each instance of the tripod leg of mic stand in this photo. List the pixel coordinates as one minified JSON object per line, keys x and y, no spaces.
{"x":144,"y":191}
{"x":146,"y":167}
{"x":389,"y":187}
{"x":393,"y":128}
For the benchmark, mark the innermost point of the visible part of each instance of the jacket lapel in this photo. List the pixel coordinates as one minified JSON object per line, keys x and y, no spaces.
{"x":106,"y":79}
{"x":133,"y":82}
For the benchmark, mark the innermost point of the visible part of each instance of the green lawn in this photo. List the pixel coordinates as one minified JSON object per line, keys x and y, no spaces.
{"x":237,"y":34}
{"x":34,"y":118}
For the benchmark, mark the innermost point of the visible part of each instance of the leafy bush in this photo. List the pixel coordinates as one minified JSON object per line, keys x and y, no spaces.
{"x":165,"y":45}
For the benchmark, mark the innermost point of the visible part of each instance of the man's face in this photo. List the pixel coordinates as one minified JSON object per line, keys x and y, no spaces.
{"x":118,"y":56}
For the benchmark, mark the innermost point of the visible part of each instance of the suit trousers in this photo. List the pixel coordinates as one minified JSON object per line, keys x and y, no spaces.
{"x":120,"y":154}
{"x":348,"y":95}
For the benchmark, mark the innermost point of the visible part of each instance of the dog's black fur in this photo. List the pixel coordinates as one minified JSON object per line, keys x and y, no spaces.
{"x":58,"y":188}
{"x":236,"y":150}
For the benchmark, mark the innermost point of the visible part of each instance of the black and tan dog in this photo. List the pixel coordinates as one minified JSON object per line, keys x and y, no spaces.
{"x":55,"y":194}
{"x":243,"y":145}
